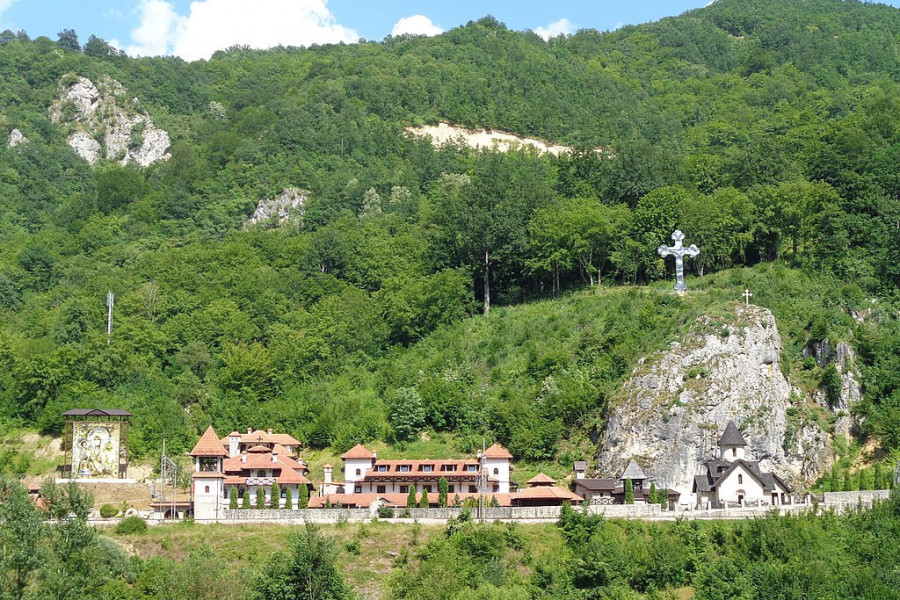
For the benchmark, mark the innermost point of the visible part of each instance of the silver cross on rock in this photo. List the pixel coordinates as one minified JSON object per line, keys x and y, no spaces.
{"x":678,"y":251}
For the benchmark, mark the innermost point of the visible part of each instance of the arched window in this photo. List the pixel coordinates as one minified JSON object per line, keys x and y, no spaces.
{"x":496,"y":471}
{"x":740,"y":479}
{"x":357,"y":471}
{"x":206,"y":489}
{"x":733,"y":452}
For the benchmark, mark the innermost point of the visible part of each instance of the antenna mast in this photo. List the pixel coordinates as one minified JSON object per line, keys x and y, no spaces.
{"x":110,"y":300}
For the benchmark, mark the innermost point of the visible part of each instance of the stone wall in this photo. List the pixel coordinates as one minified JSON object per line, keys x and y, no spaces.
{"x":841,"y":501}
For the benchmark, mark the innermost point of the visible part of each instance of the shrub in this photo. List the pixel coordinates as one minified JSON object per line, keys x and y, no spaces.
{"x":288,"y":499}
{"x":108,"y":511}
{"x":260,"y":498}
{"x":131,"y":525}
{"x":385,"y":512}
{"x":245,"y":499}
{"x":232,"y":498}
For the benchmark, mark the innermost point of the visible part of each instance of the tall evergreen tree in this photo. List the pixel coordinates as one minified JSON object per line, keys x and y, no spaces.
{"x":423,"y":503}
{"x":275,"y":499}
{"x":443,"y":490}
{"x":288,"y":500}
{"x":411,"y":497}
{"x":232,"y":498}
{"x":303,"y":496}
{"x":629,"y":492}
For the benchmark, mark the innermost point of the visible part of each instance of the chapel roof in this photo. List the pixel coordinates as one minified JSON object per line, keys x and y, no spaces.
{"x":732,"y":436}
{"x":497,"y":451}
{"x":541,"y":480}
{"x":209,"y":444}
{"x":633,"y":471}
{"x":357,"y":451}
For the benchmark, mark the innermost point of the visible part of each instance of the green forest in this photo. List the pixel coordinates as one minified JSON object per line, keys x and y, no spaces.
{"x":472,"y":294}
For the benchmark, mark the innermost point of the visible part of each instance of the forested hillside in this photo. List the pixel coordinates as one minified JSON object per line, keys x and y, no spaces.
{"x":767,"y":130}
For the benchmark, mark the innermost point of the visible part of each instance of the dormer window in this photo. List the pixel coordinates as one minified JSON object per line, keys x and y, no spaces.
{"x":404,"y":468}
{"x":471,"y":468}
{"x":448,"y":468}
{"x":427,"y":468}
{"x":382,"y":468}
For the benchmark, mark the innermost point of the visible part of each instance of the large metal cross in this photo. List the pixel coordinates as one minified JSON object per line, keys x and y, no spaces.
{"x":678,"y":251}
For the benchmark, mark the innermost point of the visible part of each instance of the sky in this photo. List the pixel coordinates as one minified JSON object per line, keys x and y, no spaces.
{"x":195,"y":29}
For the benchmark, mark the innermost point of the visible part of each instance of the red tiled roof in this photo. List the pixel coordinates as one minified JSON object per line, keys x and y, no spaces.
{"x":497,"y":451}
{"x":285,"y":439}
{"x":209,"y":444}
{"x":541,"y":479}
{"x":357,"y":451}
{"x":546,"y":493}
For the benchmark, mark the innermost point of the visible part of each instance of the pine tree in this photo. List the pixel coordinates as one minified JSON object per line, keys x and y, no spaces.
{"x":303,"y":496}
{"x":443,"y":490}
{"x":275,"y":500}
{"x":494,"y":503}
{"x":835,"y":479}
{"x":232,"y":498}
{"x":245,"y":500}
{"x":847,"y":486}
{"x":629,"y":492}
{"x":411,"y":498}
{"x":879,"y":477}
{"x":288,"y":500}
{"x":457,"y":501}
{"x":653,"y":497}
{"x":423,"y":503}
{"x":260,"y":499}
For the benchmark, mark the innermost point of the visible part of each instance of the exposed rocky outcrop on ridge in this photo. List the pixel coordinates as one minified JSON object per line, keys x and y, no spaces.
{"x":279,"y":210}
{"x":15,"y":138}
{"x":674,"y":407}
{"x":106,"y":124}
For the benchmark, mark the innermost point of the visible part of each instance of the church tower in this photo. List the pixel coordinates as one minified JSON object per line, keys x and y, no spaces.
{"x":732,"y":444}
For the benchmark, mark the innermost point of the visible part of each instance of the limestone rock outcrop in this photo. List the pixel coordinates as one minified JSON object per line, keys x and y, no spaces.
{"x":279,"y":210}
{"x":104,"y":123}
{"x":15,"y":138}
{"x":676,"y":404}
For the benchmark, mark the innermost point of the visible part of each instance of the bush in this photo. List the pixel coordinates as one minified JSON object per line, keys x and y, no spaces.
{"x":131,"y":525}
{"x":108,"y":511}
{"x":385,"y":512}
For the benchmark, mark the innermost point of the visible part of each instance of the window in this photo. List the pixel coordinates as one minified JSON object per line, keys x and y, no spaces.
{"x":357,"y":471}
{"x":448,"y":468}
{"x":451,"y":489}
{"x":426,"y":488}
{"x":404,"y":489}
{"x":740,"y":479}
{"x":206,"y":489}
{"x":496,"y":471}
{"x":733,"y":452}
{"x":382,"y":468}
{"x":404,"y":468}
{"x":427,"y":468}
{"x":472,"y":489}
{"x":379,"y":489}
{"x":471,"y":468}
{"x":357,"y":489}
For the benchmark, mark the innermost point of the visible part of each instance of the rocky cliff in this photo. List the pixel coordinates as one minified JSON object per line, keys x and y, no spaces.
{"x":105,"y":123}
{"x":676,"y":404}
{"x":274,"y":212}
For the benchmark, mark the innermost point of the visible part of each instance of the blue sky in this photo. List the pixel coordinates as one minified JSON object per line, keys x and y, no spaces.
{"x":195,"y":29}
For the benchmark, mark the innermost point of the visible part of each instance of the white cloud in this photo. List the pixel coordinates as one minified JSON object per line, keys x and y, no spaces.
{"x":4,"y":6}
{"x":561,"y":27}
{"x":218,"y":24}
{"x":158,"y":30}
{"x":416,"y":25}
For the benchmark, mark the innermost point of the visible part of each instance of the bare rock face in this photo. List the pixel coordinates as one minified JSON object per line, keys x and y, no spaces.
{"x":675,"y":406}
{"x":105,"y":124}
{"x":838,"y":401}
{"x":15,"y":138}
{"x":278,"y":211}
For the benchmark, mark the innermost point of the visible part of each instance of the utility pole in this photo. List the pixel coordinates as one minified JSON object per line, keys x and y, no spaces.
{"x":110,"y":301}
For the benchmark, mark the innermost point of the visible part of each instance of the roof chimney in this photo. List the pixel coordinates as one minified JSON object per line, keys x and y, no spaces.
{"x":275,"y":457}
{"x":249,"y":430}
{"x":326,"y":470}
{"x":269,"y":431}
{"x":243,"y":457}
{"x":374,"y":454}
